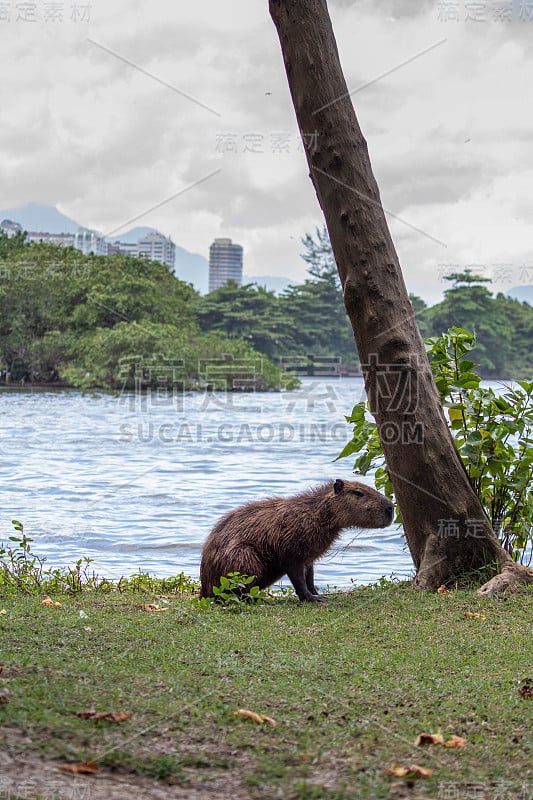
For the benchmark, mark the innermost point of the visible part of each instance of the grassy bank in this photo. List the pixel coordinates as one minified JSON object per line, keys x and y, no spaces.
{"x":350,"y":683}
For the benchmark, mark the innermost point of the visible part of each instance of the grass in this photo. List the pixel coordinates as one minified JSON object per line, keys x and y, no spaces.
{"x":351,"y":683}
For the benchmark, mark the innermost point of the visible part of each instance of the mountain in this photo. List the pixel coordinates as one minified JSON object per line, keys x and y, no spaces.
{"x":522,"y":293}
{"x":35,"y":217}
{"x":192,"y":268}
{"x":132,"y":236}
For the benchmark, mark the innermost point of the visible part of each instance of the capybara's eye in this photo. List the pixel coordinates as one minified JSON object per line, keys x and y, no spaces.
{"x":358,"y":493}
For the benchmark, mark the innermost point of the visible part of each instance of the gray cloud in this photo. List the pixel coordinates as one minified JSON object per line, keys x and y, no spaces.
{"x":389,"y":8}
{"x":448,"y":133}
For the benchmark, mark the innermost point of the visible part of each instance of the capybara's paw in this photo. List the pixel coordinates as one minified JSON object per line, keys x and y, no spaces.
{"x":313,"y":598}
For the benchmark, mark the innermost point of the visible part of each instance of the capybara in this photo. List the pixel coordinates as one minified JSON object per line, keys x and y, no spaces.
{"x":285,"y":535}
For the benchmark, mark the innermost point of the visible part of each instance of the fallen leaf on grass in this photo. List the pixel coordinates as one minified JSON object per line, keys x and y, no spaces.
{"x":527,"y":689}
{"x":411,"y":773}
{"x":455,"y":741}
{"x":259,"y":718}
{"x":114,"y":716}
{"x":49,"y":602}
{"x":243,"y":712}
{"x":80,"y":768}
{"x":428,"y":738}
{"x":4,"y":696}
{"x":152,"y":607}
{"x":472,"y":615}
{"x":437,"y":738}
{"x":443,"y":590}
{"x":3,"y":611}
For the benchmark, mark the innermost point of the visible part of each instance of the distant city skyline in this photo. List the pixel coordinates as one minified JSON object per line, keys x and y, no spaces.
{"x":153,"y":245}
{"x":194,"y":267}
{"x":190,"y":267}
{"x":140,"y":241}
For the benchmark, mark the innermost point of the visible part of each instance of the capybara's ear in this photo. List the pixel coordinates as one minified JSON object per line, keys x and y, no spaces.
{"x":338,"y":486}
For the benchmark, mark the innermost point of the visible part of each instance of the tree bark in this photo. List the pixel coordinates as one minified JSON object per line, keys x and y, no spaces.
{"x":448,"y":533}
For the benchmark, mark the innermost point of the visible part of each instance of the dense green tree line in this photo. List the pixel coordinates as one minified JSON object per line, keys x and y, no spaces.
{"x":503,"y":327}
{"x":106,"y":321}
{"x":310,"y":318}
{"x":110,"y":321}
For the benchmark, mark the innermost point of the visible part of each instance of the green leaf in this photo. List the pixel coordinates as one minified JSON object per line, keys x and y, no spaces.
{"x":348,"y":450}
{"x":466,"y":366}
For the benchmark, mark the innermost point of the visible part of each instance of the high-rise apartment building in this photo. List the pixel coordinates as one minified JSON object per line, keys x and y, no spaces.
{"x":157,"y":247}
{"x":225,"y":263}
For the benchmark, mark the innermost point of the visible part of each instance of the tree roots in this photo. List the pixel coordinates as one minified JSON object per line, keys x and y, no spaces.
{"x":511,"y":575}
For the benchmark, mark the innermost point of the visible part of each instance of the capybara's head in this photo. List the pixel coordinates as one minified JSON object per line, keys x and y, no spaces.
{"x":359,"y":506}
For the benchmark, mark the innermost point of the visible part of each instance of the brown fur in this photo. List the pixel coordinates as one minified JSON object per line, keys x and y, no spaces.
{"x":285,"y":536}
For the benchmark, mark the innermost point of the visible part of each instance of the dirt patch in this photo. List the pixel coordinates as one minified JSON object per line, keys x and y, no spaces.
{"x":25,"y":776}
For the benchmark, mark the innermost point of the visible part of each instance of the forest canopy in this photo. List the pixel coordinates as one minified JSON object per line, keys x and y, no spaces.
{"x":109,"y":321}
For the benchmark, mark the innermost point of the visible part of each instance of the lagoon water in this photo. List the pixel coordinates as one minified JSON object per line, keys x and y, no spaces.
{"x":135,"y":482}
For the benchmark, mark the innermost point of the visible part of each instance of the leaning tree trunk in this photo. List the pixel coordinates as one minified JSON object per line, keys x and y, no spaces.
{"x":447,"y":530}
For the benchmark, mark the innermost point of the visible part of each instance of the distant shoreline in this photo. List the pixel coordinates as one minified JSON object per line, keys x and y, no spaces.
{"x":18,"y":386}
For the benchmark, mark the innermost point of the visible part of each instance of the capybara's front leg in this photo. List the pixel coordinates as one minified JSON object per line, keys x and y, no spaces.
{"x":310,"y":578}
{"x":297,"y":576}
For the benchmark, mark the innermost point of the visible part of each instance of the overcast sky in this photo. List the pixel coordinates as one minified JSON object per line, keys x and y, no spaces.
{"x":109,"y":110}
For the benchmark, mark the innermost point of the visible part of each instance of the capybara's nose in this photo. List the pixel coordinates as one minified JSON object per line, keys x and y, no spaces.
{"x":389,"y":510}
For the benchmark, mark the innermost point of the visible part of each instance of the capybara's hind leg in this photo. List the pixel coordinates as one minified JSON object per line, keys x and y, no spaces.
{"x":310,"y":578}
{"x":297,"y":576}
{"x":249,"y":563}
